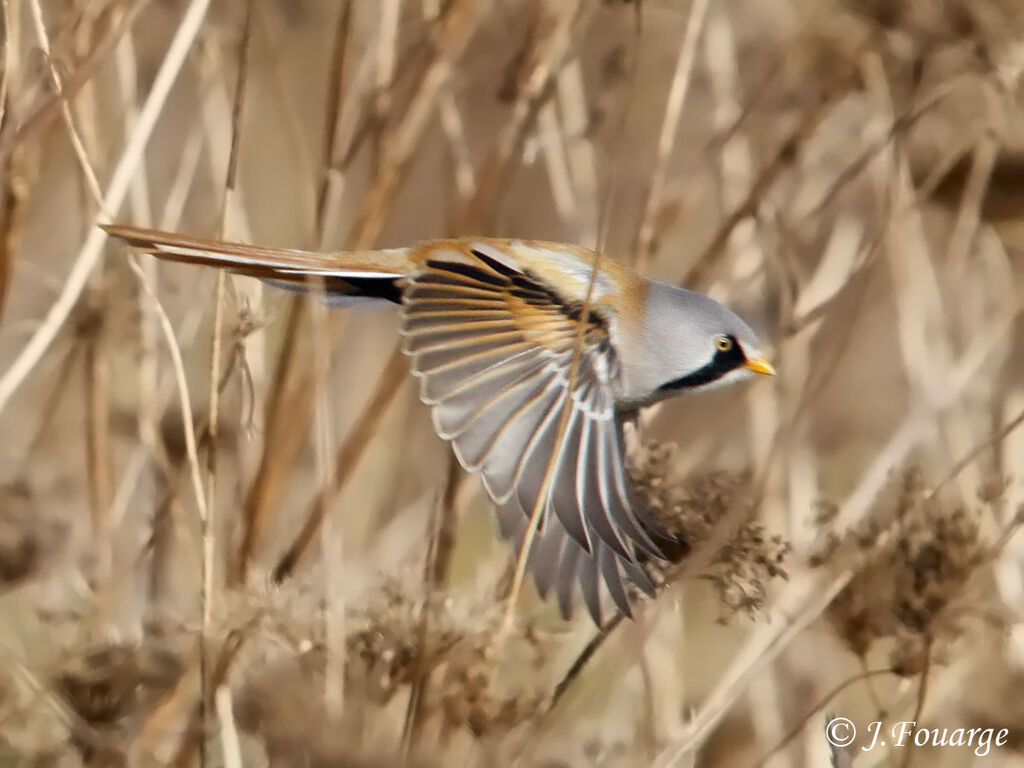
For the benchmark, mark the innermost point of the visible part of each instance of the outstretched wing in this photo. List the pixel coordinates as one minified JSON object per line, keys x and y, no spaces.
{"x":493,"y":346}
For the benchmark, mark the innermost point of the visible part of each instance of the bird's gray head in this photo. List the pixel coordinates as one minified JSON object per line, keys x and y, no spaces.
{"x":694,"y":343}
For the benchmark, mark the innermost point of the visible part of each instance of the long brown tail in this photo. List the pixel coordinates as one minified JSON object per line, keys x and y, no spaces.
{"x":370,"y":274}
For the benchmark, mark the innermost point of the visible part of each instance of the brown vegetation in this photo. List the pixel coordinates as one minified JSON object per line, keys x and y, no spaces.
{"x":228,"y":533}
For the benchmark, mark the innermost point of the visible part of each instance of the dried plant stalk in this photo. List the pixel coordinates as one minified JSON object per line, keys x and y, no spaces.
{"x":120,"y":181}
{"x":345,"y":462}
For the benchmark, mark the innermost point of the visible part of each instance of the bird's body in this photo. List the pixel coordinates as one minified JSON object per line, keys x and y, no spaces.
{"x":493,"y":328}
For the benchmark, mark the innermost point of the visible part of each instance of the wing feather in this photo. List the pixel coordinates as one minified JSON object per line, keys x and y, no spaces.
{"x":466,"y":361}
{"x":563,"y":487}
{"x":506,"y":395}
{"x":422,"y":338}
{"x":611,"y":481}
{"x":548,"y":550}
{"x":441,"y":385}
{"x":495,"y":351}
{"x":587,"y":575}
{"x":430,"y":319}
{"x":518,"y":417}
{"x":609,"y":565}
{"x":441,"y":292}
{"x":568,"y":570}
{"x":512,"y":443}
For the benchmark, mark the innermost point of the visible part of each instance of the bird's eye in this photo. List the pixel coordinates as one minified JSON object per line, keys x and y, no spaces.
{"x":724,"y":343}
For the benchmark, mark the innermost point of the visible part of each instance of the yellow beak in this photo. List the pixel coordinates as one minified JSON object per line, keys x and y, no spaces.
{"x":759,"y":365}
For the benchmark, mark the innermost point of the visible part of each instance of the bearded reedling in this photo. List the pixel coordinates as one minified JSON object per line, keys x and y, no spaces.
{"x":492,"y":328}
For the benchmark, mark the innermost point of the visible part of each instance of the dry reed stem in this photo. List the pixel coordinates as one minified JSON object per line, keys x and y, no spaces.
{"x":1009,"y":579}
{"x":221,"y":694}
{"x":14,"y":136}
{"x":92,"y":183}
{"x":248,"y":345}
{"x":294,"y":121}
{"x":332,"y":545}
{"x":455,"y":131}
{"x":185,"y":402}
{"x":6,"y":39}
{"x":92,"y":331}
{"x":326,"y":210}
{"x":194,"y":736}
{"x":11,"y":167}
{"x":92,"y":249}
{"x":453,"y":32}
{"x":580,"y":151}
{"x":52,"y":402}
{"x":281,"y":442}
{"x":192,"y":451}
{"x":349,"y":453}
{"x":166,"y":721}
{"x":453,"y":126}
{"x":437,"y":566}
{"x":346,"y":132}
{"x":400,"y":145}
{"x":215,"y":374}
{"x":231,"y":747}
{"x":699,"y":274}
{"x":551,"y":137}
{"x":533,"y":93}
{"x":748,"y":268}
{"x":332,"y":122}
{"x":12,"y":213}
{"x":923,"y":318}
{"x":97,"y":441}
{"x":138,"y":196}
{"x":669,"y":129}
{"x":152,"y":441}
{"x":823,"y":702}
{"x":897,"y":129}
{"x":398,"y":148}
{"x":387,"y":43}
{"x":968,"y":221}
{"x":147,"y":415}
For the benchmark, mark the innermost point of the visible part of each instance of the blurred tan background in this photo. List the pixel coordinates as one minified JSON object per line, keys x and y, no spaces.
{"x":847,"y":175}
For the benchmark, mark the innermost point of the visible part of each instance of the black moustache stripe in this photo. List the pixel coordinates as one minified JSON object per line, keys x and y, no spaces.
{"x":721,"y":364}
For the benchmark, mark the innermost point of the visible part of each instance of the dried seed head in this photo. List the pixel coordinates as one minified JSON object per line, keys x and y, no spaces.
{"x":104,"y":684}
{"x":29,"y":539}
{"x":914,"y":578}
{"x":390,"y":645}
{"x":692,"y":510}
{"x":484,"y":697}
{"x":745,"y":567}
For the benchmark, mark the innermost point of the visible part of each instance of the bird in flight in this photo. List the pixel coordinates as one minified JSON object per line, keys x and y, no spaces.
{"x":505,"y":336}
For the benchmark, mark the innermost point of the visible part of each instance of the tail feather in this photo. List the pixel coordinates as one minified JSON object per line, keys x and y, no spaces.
{"x":358,"y":273}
